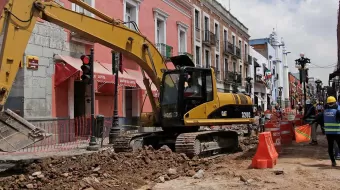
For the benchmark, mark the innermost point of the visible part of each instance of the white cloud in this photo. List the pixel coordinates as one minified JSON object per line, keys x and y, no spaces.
{"x":307,"y":26}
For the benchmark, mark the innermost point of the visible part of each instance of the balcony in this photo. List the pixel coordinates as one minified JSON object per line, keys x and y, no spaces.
{"x":165,"y":50}
{"x":238,"y":78}
{"x":248,"y":59}
{"x":258,"y":78}
{"x":238,"y":52}
{"x":209,"y":38}
{"x":230,"y":77}
{"x":187,"y":54}
{"x":228,"y":48}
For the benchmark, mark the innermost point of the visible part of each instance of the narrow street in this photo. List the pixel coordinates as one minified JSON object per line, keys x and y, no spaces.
{"x":303,"y":166}
{"x":300,"y":166}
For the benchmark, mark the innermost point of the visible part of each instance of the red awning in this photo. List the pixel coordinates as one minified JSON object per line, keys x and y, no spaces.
{"x":137,"y":75}
{"x":102,"y":71}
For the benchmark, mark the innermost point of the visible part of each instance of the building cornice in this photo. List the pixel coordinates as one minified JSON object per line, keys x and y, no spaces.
{"x":176,"y":7}
{"x":221,"y":15}
{"x":186,"y":4}
{"x":160,"y":12}
{"x":183,"y":25}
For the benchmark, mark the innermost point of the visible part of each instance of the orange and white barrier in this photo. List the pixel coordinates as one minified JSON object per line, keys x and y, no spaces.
{"x":274,"y":129}
{"x":266,"y":155}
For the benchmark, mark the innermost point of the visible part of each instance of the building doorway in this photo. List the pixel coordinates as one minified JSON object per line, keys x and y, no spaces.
{"x":128,"y":104}
{"x":79,"y":99}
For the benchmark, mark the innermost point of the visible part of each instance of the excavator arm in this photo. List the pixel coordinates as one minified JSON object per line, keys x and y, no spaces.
{"x":20,"y":16}
{"x":17,"y":23}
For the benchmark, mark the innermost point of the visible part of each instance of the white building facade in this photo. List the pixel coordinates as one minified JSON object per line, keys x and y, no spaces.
{"x":261,"y":82}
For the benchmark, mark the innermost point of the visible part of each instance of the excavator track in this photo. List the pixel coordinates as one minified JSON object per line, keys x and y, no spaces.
{"x":131,"y":142}
{"x":206,"y":143}
{"x":201,"y":143}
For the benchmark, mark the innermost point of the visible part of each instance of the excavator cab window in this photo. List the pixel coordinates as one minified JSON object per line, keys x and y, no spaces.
{"x":183,"y":90}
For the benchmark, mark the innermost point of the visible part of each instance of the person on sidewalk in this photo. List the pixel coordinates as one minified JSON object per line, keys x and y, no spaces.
{"x":331,"y":120}
{"x":308,"y":118}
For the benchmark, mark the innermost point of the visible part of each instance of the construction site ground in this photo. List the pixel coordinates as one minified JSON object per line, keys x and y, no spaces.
{"x":300,"y":166}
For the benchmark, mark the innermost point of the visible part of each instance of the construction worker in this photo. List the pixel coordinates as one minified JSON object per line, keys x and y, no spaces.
{"x":308,"y":118}
{"x":331,"y":119}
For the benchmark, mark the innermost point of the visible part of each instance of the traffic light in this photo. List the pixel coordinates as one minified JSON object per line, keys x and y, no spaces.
{"x":86,"y":68}
{"x":120,"y":63}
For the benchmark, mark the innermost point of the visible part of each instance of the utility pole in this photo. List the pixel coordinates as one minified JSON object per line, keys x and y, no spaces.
{"x":301,"y":64}
{"x":114,"y":130}
{"x":93,"y":144}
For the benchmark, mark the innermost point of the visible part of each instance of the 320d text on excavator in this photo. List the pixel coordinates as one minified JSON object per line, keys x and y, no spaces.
{"x":188,"y":95}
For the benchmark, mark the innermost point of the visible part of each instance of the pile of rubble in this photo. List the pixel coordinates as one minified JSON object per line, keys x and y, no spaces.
{"x":104,"y":170}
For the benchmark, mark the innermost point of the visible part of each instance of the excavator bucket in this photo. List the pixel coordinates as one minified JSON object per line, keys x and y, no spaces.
{"x":16,"y":133}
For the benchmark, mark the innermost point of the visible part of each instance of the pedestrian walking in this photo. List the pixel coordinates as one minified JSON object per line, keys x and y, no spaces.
{"x":308,"y":118}
{"x":331,"y":119}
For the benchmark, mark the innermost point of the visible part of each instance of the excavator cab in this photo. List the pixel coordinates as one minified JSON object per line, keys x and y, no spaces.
{"x":182,"y":90}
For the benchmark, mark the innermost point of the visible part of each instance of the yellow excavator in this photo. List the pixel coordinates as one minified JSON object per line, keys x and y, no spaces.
{"x":188,"y":95}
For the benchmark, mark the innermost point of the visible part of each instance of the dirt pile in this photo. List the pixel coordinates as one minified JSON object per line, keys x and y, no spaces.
{"x":104,"y":170}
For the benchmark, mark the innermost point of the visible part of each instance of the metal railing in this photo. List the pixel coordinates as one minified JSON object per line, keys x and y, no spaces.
{"x":228,"y":48}
{"x":238,"y":52}
{"x":209,"y":37}
{"x":164,"y":49}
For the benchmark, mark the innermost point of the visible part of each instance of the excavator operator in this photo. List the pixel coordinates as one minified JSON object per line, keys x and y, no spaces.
{"x":193,"y":89}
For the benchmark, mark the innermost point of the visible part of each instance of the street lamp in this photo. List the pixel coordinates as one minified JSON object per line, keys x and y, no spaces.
{"x":318,"y":88}
{"x":301,"y":64}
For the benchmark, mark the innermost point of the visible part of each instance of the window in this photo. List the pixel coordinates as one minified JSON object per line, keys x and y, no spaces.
{"x":131,"y":13}
{"x":207,"y":59}
{"x":78,"y":9}
{"x":234,"y":66}
{"x":240,"y":69}
{"x":217,"y":63}
{"x":225,"y":67}
{"x":233,"y":38}
{"x":240,"y":45}
{"x":225,"y":39}
{"x":160,"y":27}
{"x":217,"y":36}
{"x":246,"y":51}
{"x":246,"y":72}
{"x":209,"y":89}
{"x":197,"y":21}
{"x":182,"y":37}
{"x":198,"y":57}
{"x":206,"y":23}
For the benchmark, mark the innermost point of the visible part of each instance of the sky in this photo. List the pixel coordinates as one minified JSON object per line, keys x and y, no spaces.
{"x":307,"y":26}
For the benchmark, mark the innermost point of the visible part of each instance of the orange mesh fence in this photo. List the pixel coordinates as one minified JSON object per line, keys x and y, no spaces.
{"x":66,"y":134}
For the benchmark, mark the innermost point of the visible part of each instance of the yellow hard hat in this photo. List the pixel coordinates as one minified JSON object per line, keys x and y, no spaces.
{"x":331,"y":99}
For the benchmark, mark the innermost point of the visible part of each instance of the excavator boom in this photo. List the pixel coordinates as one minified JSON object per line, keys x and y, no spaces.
{"x":17,"y":23}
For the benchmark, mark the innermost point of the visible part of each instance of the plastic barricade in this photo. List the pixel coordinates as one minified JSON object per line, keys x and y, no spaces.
{"x":303,"y":133}
{"x":266,"y":155}
{"x":296,"y":122}
{"x":286,"y":132}
{"x":274,"y":129}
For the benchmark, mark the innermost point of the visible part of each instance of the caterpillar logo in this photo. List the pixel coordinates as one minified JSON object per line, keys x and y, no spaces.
{"x":224,"y":113}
